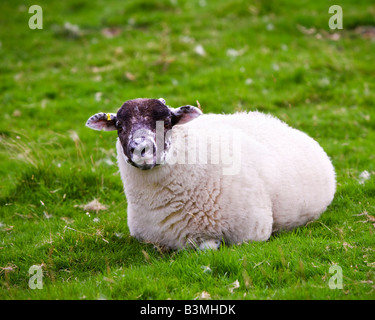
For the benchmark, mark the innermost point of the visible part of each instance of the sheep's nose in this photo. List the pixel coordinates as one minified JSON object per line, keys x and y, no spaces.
{"x":141,"y":152}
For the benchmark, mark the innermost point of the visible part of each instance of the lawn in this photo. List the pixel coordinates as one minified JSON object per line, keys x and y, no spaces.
{"x":278,"y":57}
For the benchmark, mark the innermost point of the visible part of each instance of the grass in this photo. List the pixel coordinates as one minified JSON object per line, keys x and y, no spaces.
{"x":278,"y":57}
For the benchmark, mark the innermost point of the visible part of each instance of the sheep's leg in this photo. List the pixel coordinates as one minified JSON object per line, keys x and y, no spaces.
{"x":260,"y":225}
{"x":210,"y":244}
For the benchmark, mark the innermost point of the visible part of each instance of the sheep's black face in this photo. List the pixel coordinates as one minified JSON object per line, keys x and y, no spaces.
{"x":142,"y":126}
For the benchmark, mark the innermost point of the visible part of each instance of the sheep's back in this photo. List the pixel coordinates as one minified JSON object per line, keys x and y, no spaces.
{"x":297,"y":172}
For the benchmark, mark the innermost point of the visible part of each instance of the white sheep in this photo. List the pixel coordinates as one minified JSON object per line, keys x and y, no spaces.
{"x":194,"y":179}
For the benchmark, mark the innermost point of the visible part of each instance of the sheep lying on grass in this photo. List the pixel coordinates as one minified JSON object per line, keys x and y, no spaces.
{"x":194,"y":179}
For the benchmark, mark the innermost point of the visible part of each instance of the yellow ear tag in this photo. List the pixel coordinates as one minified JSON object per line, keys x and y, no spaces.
{"x":108,"y":117}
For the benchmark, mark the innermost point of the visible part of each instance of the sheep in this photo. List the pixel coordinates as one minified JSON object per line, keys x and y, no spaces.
{"x":196,"y":180}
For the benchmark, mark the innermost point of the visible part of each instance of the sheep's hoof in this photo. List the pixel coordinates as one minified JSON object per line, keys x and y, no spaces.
{"x":210,"y":244}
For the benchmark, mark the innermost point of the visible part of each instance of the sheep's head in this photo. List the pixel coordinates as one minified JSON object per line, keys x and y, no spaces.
{"x":142,"y":126}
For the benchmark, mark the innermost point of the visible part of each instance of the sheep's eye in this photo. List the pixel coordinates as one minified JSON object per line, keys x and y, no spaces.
{"x":118,"y":125}
{"x":167,"y":123}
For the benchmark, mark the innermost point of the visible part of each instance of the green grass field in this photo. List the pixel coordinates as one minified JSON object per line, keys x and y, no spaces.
{"x":278,"y":57}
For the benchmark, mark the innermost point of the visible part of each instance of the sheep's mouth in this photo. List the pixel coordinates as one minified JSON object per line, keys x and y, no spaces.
{"x":143,"y":166}
{"x":143,"y":155}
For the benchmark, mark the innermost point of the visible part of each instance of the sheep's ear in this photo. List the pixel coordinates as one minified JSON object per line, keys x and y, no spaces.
{"x":102,"y":121}
{"x":185,"y":114}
